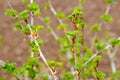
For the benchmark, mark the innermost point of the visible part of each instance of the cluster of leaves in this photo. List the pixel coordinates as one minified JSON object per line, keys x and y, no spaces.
{"x":72,"y":43}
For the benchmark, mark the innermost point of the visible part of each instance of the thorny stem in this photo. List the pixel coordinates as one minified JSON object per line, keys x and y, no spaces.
{"x":31,"y":23}
{"x":33,"y":37}
{"x":96,"y":68}
{"x":41,"y":54}
{"x":74,"y":49}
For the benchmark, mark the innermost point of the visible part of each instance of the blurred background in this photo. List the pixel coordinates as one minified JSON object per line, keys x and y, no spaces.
{"x":14,"y":44}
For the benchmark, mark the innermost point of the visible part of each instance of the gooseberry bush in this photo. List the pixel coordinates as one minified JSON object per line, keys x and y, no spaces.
{"x":80,"y":60}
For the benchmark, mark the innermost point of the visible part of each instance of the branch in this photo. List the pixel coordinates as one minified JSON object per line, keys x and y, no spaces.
{"x":2,"y":63}
{"x":39,"y":49}
{"x":31,"y":23}
{"x":52,"y":31}
{"x":54,"y":12}
{"x":109,"y":46}
{"x":41,"y":54}
{"x":101,"y":23}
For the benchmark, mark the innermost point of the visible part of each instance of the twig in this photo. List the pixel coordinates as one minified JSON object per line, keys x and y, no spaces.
{"x":52,"y":31}
{"x":109,"y":46}
{"x":39,"y":50}
{"x":2,"y":63}
{"x":54,"y":12}
{"x":31,"y":23}
{"x":101,"y":23}
{"x":9,"y":4}
{"x":112,"y":61}
{"x":41,"y":54}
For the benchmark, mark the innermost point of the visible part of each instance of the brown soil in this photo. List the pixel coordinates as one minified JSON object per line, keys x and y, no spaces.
{"x":15,"y":48}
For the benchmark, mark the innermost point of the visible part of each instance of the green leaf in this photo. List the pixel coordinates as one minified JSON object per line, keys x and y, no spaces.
{"x":1,"y":40}
{"x":40,"y":27}
{"x":2,"y":78}
{"x":60,"y":15}
{"x":99,"y":44}
{"x":72,"y":33}
{"x":78,"y":66}
{"x":34,"y":49}
{"x":25,"y":1}
{"x":23,"y":15}
{"x":82,"y":1}
{"x":62,"y":27}
{"x":45,"y":77}
{"x":115,"y":76}
{"x":107,"y":17}
{"x":11,"y":12}
{"x":34,"y":8}
{"x":47,"y":6}
{"x":48,"y":30}
{"x":40,"y":42}
{"x":52,"y":63}
{"x":114,"y":41}
{"x":18,"y":25}
{"x":47,"y":20}
{"x":95,"y":27}
{"x":68,"y":76}
{"x":25,"y":30}
{"x":111,"y":1}
{"x":99,"y":74}
{"x":11,"y":68}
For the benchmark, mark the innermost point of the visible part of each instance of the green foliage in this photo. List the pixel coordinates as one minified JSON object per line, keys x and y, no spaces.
{"x":25,"y":30}
{"x":115,"y":76}
{"x":18,"y":25}
{"x":54,"y":64}
{"x":37,"y":28}
{"x":107,"y":17}
{"x":47,"y":6}
{"x":11,"y":68}
{"x":82,"y":1}
{"x":1,"y":40}
{"x":60,"y":15}
{"x":73,"y":43}
{"x":24,"y":1}
{"x":29,"y":67}
{"x":11,"y":12}
{"x":95,"y":27}
{"x":99,"y":44}
{"x":68,"y":76}
{"x":62,"y":27}
{"x":100,"y":75}
{"x":45,"y":77}
{"x":2,"y":78}
{"x":72,"y":33}
{"x":34,"y":8}
{"x":111,"y":1}
{"x":23,"y":15}
{"x":47,"y":20}
{"x":114,"y":42}
{"x":40,"y":42}
{"x":76,"y":13}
